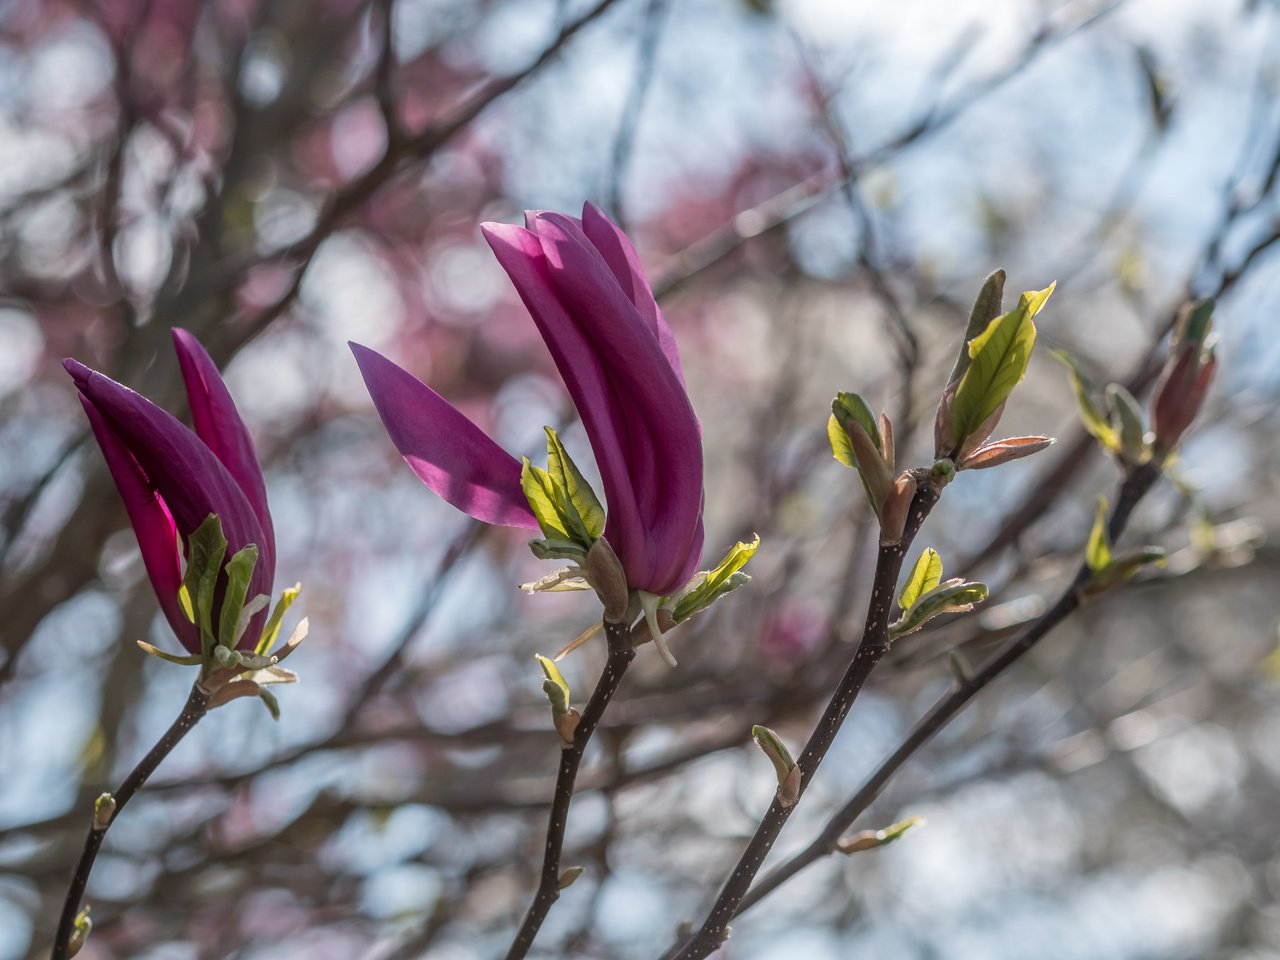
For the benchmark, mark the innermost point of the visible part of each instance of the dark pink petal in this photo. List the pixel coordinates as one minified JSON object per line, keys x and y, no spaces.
{"x":152,"y":523}
{"x":218,"y":424}
{"x":620,"y":255}
{"x":633,"y":405}
{"x":448,"y":452}
{"x":183,"y":471}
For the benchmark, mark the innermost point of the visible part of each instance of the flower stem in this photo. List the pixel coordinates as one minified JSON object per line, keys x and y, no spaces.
{"x":621,"y":653}
{"x":197,"y":706}
{"x":874,"y":645}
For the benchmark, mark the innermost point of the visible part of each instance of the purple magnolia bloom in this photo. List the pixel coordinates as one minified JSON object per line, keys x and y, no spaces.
{"x":582,"y":282}
{"x":171,"y":478}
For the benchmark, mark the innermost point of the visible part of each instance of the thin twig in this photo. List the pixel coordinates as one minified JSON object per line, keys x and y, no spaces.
{"x":1132,"y":489}
{"x":874,"y":645}
{"x":196,"y":706}
{"x":621,"y":653}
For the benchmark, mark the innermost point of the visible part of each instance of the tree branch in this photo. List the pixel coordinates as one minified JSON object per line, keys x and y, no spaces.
{"x":197,"y":706}
{"x":621,"y":653}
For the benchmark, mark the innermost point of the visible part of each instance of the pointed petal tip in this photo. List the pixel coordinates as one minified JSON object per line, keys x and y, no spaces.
{"x":79,"y":372}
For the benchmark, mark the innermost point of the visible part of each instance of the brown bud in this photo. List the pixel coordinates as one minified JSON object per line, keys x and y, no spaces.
{"x":606,"y":576}
{"x":997,"y":452}
{"x":567,"y":724}
{"x":1180,"y":394}
{"x":893,"y":518}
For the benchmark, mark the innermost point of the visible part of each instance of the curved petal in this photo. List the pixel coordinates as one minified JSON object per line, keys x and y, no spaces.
{"x":615,"y":246}
{"x":152,"y":524}
{"x":637,"y":415}
{"x":184,"y":472}
{"x":218,"y":424}
{"x":449,"y":453}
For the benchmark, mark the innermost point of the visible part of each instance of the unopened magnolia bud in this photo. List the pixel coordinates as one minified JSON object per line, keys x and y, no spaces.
{"x":104,"y":808}
{"x":606,"y":576}
{"x":789,"y":788}
{"x":893,"y":517}
{"x":1180,"y":394}
{"x":570,"y":874}
{"x":79,"y":932}
{"x":567,"y":724}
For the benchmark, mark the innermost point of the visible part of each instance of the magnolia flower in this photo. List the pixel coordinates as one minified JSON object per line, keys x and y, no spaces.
{"x":171,"y":479}
{"x":582,"y":282}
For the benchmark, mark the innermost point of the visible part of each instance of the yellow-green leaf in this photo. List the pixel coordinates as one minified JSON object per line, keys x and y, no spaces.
{"x":239,"y":570}
{"x":998,"y":360}
{"x":205,"y":549}
{"x":953,"y":596}
{"x":581,"y":506}
{"x":272,"y":628}
{"x":554,"y":686}
{"x":1097,"y":553}
{"x":986,"y":308}
{"x":925,"y":575}
{"x":540,"y":490}
{"x":841,"y":449}
{"x":715,"y":583}
{"x":1095,"y":420}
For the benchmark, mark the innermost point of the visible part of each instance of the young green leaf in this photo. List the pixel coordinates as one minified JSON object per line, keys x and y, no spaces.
{"x":953,"y":596}
{"x":870,"y":839}
{"x":925,"y":575}
{"x":554,"y":686}
{"x":841,"y":448}
{"x":725,"y":577}
{"x":850,"y":408}
{"x":1123,"y":566}
{"x":998,"y":361}
{"x":1095,"y":419}
{"x":540,"y":490}
{"x":239,"y":570}
{"x":205,"y":549}
{"x":272,"y":628}
{"x":581,"y":507}
{"x":986,"y":308}
{"x":1097,"y":552}
{"x":1129,"y":423}
{"x":190,"y":660}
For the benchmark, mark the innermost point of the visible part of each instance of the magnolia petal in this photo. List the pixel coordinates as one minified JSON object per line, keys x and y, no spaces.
{"x":450,"y":454}
{"x":649,"y":414}
{"x":615,"y":246}
{"x":181,"y":469}
{"x":217,"y":422}
{"x":152,"y":524}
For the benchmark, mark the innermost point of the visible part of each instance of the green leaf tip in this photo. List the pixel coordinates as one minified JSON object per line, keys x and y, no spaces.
{"x":998,"y":358}
{"x":1095,"y":419}
{"x":565,"y":506}
{"x":951,"y":596}
{"x":925,"y":575}
{"x":709,"y":586}
{"x":871,"y":839}
{"x":206,"y":547}
{"x":987,"y":306}
{"x":554,"y":685}
{"x":787,"y":772}
{"x":239,"y":570}
{"x":1097,"y":551}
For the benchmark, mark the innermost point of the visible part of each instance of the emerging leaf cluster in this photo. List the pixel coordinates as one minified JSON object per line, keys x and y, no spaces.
{"x":926,"y":595}
{"x":567,"y":509}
